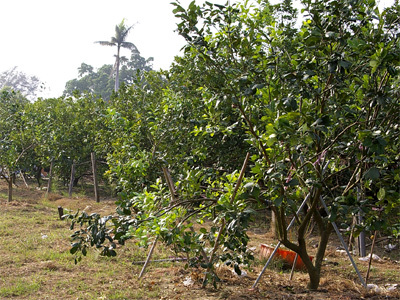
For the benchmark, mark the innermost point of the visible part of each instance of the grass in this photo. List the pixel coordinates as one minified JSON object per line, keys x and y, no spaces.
{"x":19,"y":287}
{"x":35,"y":262}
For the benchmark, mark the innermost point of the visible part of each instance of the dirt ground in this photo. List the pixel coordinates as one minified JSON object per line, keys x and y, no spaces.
{"x":172,"y":280}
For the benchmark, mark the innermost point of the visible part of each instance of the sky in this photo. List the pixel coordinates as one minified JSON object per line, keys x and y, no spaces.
{"x":50,"y":39}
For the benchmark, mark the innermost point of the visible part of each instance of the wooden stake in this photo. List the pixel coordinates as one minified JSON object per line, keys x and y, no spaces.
{"x":71,"y":183}
{"x":370,"y":257}
{"x":23,"y":178}
{"x":50,"y":178}
{"x":171,"y":187}
{"x":294,"y":265}
{"x":221,"y":229}
{"x":10,"y":187}
{"x":95,"y":184}
{"x":60,"y":212}
{"x":140,"y":262}
{"x":148,"y":257}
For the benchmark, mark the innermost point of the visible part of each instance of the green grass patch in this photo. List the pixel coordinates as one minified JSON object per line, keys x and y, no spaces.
{"x":19,"y":287}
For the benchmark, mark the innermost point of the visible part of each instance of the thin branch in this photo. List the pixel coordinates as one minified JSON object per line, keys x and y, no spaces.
{"x":193,"y":213}
{"x":23,"y":152}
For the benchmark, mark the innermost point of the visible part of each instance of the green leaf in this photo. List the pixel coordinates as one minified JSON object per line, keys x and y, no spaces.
{"x":278,"y":201}
{"x":73,"y":250}
{"x":372,"y":173}
{"x":178,"y":9}
{"x":345,"y":64}
{"x":203,"y":230}
{"x":293,"y":182}
{"x":381,"y":194}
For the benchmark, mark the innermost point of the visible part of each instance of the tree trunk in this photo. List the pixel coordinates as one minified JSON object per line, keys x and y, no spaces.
{"x":274,"y":225}
{"x":38,"y":175}
{"x":95,"y":183}
{"x":314,"y":276}
{"x":313,"y":269}
{"x":117,"y":71}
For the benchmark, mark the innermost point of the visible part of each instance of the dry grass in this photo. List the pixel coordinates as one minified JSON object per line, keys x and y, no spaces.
{"x":35,"y":263}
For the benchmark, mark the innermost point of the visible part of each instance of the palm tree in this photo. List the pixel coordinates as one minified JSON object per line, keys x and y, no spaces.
{"x":121,"y":33}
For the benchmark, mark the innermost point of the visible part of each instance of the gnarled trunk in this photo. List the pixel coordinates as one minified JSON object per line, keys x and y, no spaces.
{"x":325,"y":229}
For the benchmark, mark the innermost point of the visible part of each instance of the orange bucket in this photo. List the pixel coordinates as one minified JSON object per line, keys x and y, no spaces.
{"x":286,"y":255}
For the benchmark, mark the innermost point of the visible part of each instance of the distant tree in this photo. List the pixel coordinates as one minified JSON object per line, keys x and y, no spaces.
{"x":119,"y":40}
{"x":15,"y":140}
{"x":19,"y":81}
{"x":99,"y":82}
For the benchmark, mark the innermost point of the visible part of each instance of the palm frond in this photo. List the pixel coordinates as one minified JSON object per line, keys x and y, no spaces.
{"x":130,"y":46}
{"x":105,"y":43}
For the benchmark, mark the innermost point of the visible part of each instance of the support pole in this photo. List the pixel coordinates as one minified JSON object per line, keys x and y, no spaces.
{"x":221,"y":229}
{"x":10,"y":187}
{"x":71,"y":183}
{"x":344,"y":245}
{"x":359,"y":220}
{"x":279,"y":243}
{"x":95,"y":183}
{"x":23,"y":178}
{"x":176,"y":259}
{"x":148,"y":257}
{"x":61,"y":212}
{"x":361,"y":237}
{"x":370,"y":257}
{"x":50,"y":178}
{"x":294,"y":265}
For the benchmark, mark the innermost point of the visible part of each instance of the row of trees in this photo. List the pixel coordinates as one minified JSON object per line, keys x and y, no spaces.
{"x":312,"y":111}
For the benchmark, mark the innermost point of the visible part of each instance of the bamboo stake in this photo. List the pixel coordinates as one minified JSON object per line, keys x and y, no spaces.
{"x":23,"y":178}
{"x":171,"y":187}
{"x":10,"y":187}
{"x":279,"y":243}
{"x":370,"y":257}
{"x":221,"y":229}
{"x":71,"y":183}
{"x":148,"y":257}
{"x":294,"y":265}
{"x":140,"y":262}
{"x":50,"y":178}
{"x":95,"y":183}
